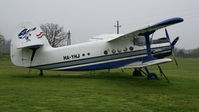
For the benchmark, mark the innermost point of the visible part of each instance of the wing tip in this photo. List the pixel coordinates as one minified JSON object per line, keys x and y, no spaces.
{"x":170,"y":21}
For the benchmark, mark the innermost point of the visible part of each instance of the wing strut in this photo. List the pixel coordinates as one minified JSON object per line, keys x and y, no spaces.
{"x":148,"y":45}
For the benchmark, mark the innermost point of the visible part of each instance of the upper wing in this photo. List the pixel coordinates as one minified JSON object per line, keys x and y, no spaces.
{"x":151,"y":28}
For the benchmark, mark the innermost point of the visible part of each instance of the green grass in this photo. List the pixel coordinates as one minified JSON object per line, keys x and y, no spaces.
{"x":100,"y":91}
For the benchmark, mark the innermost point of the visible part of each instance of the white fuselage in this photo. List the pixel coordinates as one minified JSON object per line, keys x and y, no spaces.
{"x":90,"y":55}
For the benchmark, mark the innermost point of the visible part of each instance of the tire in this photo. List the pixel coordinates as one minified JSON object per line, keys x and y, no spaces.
{"x":152,"y":76}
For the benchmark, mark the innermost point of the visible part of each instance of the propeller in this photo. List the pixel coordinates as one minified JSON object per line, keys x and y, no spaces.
{"x":175,"y":41}
{"x":172,"y":45}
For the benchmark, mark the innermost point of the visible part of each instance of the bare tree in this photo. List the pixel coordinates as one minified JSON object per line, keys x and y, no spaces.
{"x":55,"y":34}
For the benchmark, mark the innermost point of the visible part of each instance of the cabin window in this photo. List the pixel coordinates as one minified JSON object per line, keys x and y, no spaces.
{"x":131,"y":48}
{"x":113,"y":51}
{"x":125,"y":49}
{"x":83,"y":54}
{"x":88,"y":54}
{"x":139,"y":41}
{"x":119,"y":50}
{"x":105,"y":52}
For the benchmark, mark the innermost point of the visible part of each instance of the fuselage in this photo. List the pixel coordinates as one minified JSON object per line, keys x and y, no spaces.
{"x":95,"y":55}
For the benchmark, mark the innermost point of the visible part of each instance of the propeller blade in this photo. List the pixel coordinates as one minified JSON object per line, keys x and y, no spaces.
{"x":175,"y":41}
{"x":167,"y":35}
{"x":172,"y":45}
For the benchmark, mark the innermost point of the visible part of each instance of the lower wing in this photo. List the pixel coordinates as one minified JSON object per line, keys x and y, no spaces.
{"x":141,"y":64}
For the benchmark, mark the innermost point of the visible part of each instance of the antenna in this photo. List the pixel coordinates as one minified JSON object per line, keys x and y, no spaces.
{"x":118,"y":26}
{"x":69,"y":38}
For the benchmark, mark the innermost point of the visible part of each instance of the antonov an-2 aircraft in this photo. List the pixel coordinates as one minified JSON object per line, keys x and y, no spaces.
{"x":137,"y":49}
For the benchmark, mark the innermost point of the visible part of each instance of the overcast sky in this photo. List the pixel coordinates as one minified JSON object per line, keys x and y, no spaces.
{"x":88,"y":18}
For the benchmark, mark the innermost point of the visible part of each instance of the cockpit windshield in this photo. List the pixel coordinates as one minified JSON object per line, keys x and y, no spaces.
{"x":160,"y":40}
{"x":140,"y":41}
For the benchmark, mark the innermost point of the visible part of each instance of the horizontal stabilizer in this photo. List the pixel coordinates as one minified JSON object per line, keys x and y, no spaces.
{"x":148,"y":63}
{"x":30,"y":46}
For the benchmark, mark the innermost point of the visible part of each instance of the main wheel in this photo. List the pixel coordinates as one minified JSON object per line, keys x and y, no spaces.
{"x":152,"y":76}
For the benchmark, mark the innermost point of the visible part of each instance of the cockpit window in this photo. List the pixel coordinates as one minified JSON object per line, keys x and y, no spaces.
{"x":160,"y":40}
{"x":139,"y":41}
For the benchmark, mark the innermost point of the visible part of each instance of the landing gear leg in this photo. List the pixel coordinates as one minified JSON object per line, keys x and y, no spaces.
{"x":122,"y":70}
{"x":162,"y":73}
{"x":41,"y":73}
{"x":109,"y":70}
{"x":151,"y":76}
{"x":137,"y":72}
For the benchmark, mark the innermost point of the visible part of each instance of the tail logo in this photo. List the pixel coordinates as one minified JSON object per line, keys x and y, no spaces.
{"x":40,"y":35}
{"x":25,"y":33}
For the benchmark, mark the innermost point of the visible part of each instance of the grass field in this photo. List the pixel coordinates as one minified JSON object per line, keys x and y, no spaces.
{"x":100,"y":91}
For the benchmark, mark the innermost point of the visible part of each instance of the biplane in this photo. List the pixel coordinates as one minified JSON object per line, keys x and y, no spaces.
{"x":30,"y":48}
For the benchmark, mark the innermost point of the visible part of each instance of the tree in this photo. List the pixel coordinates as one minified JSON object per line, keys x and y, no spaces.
{"x":55,"y":34}
{"x":187,"y":53}
{"x":2,"y":39}
{"x":195,"y":53}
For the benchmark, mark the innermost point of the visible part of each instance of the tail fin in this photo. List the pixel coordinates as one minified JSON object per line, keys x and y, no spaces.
{"x":26,"y":41}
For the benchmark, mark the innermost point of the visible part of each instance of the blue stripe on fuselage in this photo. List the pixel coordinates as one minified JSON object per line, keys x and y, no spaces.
{"x":108,"y":65}
{"x":94,"y":60}
{"x":115,"y":64}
